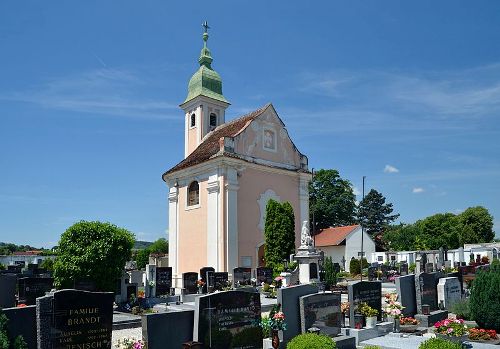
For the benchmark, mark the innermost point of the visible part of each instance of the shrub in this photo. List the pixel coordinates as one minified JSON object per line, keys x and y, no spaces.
{"x":485,"y":299}
{"x":355,"y":266}
{"x":462,"y":309}
{"x":330,"y":276}
{"x":439,"y":343}
{"x":372,"y":347}
{"x":311,"y":341}
{"x":412,"y":267}
{"x":20,"y":343}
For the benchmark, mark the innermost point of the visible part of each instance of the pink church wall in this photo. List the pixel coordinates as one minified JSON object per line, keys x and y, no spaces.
{"x":193,"y":228}
{"x":252,"y":184}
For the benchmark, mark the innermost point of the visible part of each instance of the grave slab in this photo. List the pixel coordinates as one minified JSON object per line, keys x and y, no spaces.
{"x":168,"y":330}
{"x":430,"y":320}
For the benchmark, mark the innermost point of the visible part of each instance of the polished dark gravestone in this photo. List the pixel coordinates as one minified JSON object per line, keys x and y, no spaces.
{"x":204,"y":277}
{"x":426,"y":290}
{"x":242,"y":276}
{"x":313,"y":271}
{"x":7,"y":290}
{"x":74,"y":319}
{"x":163,"y":280}
{"x":403,"y":269}
{"x":228,"y":320}
{"x":85,"y":285}
{"x":264,"y":275}
{"x":369,"y":292}
{"x":405,"y":288}
{"x":322,"y":311}
{"x":189,"y":282}
{"x":30,"y":288}
{"x":217,"y":280}
{"x":372,"y":273}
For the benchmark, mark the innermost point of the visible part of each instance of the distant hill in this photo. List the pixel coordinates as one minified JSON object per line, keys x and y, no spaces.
{"x":141,"y":245}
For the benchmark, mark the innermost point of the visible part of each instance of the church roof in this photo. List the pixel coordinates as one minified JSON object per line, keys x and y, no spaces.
{"x":333,"y":236}
{"x":210,"y":147}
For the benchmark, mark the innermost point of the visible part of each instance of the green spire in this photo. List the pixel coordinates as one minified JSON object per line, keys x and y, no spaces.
{"x":206,"y":81}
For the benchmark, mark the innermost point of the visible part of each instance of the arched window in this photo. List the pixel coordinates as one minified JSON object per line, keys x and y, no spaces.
{"x":193,"y":120}
{"x":213,"y":120}
{"x":193,"y":194}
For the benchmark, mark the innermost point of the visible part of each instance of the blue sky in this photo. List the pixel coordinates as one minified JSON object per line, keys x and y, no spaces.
{"x":406,"y":93}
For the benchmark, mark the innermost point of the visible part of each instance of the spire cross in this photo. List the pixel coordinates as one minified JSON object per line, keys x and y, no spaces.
{"x":205,"y":25}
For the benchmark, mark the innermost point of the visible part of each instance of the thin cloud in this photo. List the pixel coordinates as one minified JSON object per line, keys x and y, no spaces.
{"x":112,"y":92}
{"x":417,"y":190}
{"x":355,"y":190}
{"x":390,"y":169}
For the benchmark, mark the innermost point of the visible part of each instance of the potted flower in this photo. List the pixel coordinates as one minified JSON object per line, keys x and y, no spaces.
{"x":408,"y":324}
{"x":344,"y":308}
{"x":483,"y":336}
{"x":200,"y":283}
{"x":369,"y":313}
{"x":271,"y":325}
{"x":452,"y":329}
{"x":393,"y":309}
{"x":129,"y":343}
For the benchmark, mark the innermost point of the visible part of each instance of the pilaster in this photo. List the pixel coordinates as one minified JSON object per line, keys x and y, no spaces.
{"x":173,"y":230}
{"x":213,"y":222}
{"x":231,"y":188}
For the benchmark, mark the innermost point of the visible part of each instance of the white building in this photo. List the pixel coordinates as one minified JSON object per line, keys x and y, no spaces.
{"x":343,"y":243}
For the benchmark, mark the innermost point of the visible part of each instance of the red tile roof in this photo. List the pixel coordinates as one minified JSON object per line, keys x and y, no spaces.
{"x":333,"y":236}
{"x":27,"y":253}
{"x":210,"y":147}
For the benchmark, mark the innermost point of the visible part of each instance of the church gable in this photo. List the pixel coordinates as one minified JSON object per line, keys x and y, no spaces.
{"x":266,"y":138}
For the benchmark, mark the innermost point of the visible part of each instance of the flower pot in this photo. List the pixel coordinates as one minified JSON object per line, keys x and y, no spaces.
{"x":396,"y":328}
{"x":455,"y":339}
{"x":371,"y":322}
{"x":275,"y":339}
{"x":408,"y":328}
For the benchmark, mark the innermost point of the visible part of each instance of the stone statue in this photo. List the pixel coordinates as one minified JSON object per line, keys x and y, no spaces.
{"x":305,"y":236}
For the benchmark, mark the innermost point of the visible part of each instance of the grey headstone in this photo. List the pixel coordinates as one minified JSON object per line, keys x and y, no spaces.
{"x":405,"y":287}
{"x":449,"y":291}
{"x":322,"y":311}
{"x":369,"y":292}
{"x":168,"y":330}
{"x":7,"y":290}
{"x":288,"y":297}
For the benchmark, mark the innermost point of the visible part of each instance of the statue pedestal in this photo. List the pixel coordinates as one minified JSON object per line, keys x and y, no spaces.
{"x":307,"y":257}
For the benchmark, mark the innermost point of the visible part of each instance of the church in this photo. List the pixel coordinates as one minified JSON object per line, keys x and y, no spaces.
{"x":219,"y":191}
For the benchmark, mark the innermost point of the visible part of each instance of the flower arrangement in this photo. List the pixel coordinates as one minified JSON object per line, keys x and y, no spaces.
{"x":393,"y":307}
{"x":200,"y":283}
{"x":451,"y":327}
{"x":408,"y":321}
{"x":344,"y":307}
{"x":366,"y":310}
{"x":152,"y":284}
{"x":21,"y":305}
{"x":130,"y":343}
{"x":275,"y":322}
{"x":392,"y":275}
{"x":141,"y":294}
{"x":482,"y":334}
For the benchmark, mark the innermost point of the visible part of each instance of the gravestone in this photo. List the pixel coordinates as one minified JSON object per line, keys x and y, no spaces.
{"x":426,"y":291}
{"x":169,"y":329}
{"x":429,"y":268}
{"x":385,"y":271}
{"x":372,"y":273}
{"x":131,"y":290}
{"x":30,"y":288}
{"x":219,"y":280}
{"x":336,"y":268}
{"x":405,"y":288}
{"x":313,"y":271}
{"x":16,"y":269}
{"x":288,"y":297}
{"x":449,"y":291}
{"x":163,"y":280}
{"x":189,"y":282}
{"x":403,"y":269}
{"x":369,"y":292}
{"x":7,"y":290}
{"x":75,"y":319}
{"x":204,"y":278}
{"x":85,"y":285}
{"x":322,"y":311}
{"x":242,"y":276}
{"x":264,"y":275}
{"x":228,"y":320}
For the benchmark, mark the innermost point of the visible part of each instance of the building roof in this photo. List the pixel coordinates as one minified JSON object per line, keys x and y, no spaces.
{"x":211,"y":147}
{"x":27,"y":253}
{"x":333,"y":236}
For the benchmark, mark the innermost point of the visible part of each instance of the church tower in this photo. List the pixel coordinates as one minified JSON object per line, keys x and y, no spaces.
{"x":205,"y":106}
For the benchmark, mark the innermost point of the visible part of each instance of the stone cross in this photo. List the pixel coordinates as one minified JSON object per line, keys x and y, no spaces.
{"x":205,"y":25}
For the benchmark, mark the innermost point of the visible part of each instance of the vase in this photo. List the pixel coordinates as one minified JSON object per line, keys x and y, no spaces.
{"x":397,"y":326}
{"x":371,"y":322}
{"x":455,"y":339}
{"x":275,"y":339}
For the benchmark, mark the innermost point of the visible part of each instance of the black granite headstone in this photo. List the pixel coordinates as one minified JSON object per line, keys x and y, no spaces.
{"x":75,"y":319}
{"x":228,"y":320}
{"x":372,"y":273}
{"x":242,"y":276}
{"x":131,"y":290}
{"x":426,"y":290}
{"x":403,"y":269}
{"x":218,"y":280}
{"x":85,"y":285}
{"x":264,"y":275}
{"x":189,"y":282}
{"x":313,"y":271}
{"x":405,"y":288}
{"x":7,"y":290}
{"x":336,"y":268}
{"x":204,"y":277}
{"x":322,"y":311}
{"x":30,"y":288}
{"x":369,"y":292}
{"x":385,"y":271}
{"x":163,"y":280}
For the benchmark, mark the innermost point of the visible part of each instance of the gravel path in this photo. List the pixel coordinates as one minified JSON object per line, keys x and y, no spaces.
{"x":128,"y":332}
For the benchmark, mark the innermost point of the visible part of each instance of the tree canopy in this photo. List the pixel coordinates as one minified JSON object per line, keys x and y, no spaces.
{"x":93,"y":251}
{"x":331,"y":200}
{"x":279,"y":233}
{"x":375,"y":214}
{"x":142,"y":255}
{"x":474,"y":225}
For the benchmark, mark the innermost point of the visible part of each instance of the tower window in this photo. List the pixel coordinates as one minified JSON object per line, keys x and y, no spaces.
{"x":193,"y":120}
{"x":193,"y":194}
{"x":213,"y":120}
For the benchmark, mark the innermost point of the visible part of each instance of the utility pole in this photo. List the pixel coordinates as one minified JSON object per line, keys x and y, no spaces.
{"x":362,"y":232}
{"x":314,"y":220}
